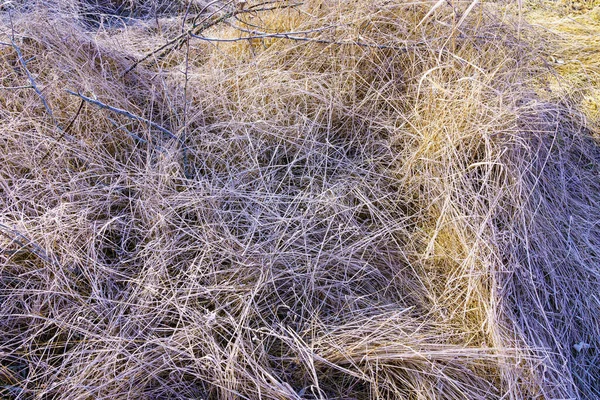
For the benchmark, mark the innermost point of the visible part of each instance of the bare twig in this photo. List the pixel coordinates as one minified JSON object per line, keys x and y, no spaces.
{"x":293,"y":36}
{"x":125,"y":113}
{"x":206,"y":17}
{"x":197,"y":30}
{"x":33,"y":85}
{"x":183,"y":135}
{"x":129,"y":133}
{"x":66,"y":130}
{"x":16,"y":87}
{"x":31,"y":79}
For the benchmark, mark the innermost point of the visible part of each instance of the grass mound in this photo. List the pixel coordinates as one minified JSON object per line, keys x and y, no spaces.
{"x":281,"y":200}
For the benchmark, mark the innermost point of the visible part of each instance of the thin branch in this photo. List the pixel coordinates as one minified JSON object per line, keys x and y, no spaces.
{"x":31,"y":79}
{"x":183,"y":135}
{"x":16,"y":87}
{"x":65,"y":131}
{"x":33,"y":85}
{"x":125,"y":113}
{"x":264,"y":32}
{"x":201,"y":13}
{"x":129,"y":133}
{"x":185,"y":15}
{"x":197,"y":30}
{"x":293,"y":36}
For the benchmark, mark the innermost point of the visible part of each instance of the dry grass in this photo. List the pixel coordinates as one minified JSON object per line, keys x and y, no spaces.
{"x":382,"y":206}
{"x":574,"y":28}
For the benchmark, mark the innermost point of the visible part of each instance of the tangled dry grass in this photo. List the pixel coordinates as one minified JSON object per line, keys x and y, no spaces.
{"x":315,"y":200}
{"x":575,"y":27}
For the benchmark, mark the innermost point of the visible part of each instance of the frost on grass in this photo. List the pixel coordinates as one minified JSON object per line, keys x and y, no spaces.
{"x":349,"y":204}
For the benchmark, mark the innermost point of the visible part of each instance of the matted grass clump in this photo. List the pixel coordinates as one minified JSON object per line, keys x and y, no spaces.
{"x":280,"y":200}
